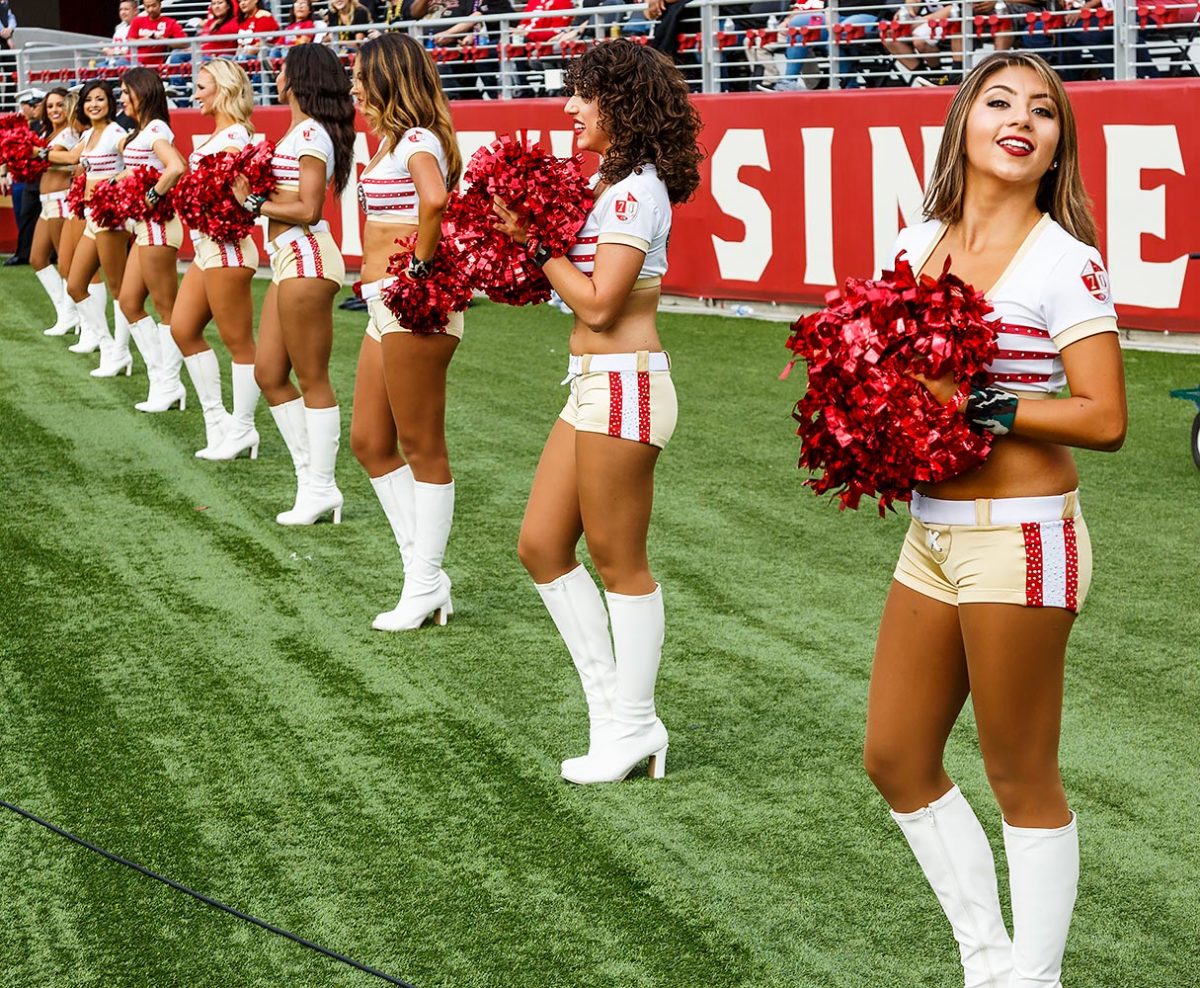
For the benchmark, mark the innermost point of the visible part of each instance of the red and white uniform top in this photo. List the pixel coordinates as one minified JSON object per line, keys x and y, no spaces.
{"x":636,"y":211}
{"x":386,"y":192}
{"x":1054,"y":292}
{"x":139,"y":149}
{"x":104,"y":159}
{"x":233,"y":136}
{"x":66,"y":139}
{"x":308,"y":139}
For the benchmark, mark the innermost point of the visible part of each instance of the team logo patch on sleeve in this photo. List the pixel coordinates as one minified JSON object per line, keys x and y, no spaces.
{"x":307,"y":133}
{"x":1095,"y":280}
{"x":626,"y":209}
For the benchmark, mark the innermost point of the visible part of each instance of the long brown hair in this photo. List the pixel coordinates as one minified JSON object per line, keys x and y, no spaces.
{"x":316,"y":78}
{"x":151,"y":97}
{"x":646,"y":110}
{"x":1061,"y":192}
{"x":401,"y":90}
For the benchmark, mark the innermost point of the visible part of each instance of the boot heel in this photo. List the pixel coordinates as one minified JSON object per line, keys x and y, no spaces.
{"x":183,"y":403}
{"x":657,"y":766}
{"x":337,"y":515}
{"x":254,"y":452}
{"x":129,"y":369}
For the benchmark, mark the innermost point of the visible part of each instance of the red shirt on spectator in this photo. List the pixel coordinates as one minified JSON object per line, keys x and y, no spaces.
{"x":304,"y":39}
{"x":541,"y":29}
{"x":219,"y":49}
{"x":257,"y":22}
{"x":143,"y":27}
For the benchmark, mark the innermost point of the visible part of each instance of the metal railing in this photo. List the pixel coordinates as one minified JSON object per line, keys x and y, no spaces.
{"x":719,"y":45}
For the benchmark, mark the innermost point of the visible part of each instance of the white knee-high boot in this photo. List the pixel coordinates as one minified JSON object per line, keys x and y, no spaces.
{"x":1043,"y":876}
{"x":638,"y":627}
{"x":955,"y":855}
{"x":426,"y":592}
{"x":574,"y":604}
{"x":166,"y":389}
{"x":205,"y":372}
{"x":289,"y":419}
{"x":93,"y":320}
{"x":317,"y":493}
{"x":144,"y":333}
{"x":66,"y":318}
{"x":241,"y":434}
{"x":114,"y":351}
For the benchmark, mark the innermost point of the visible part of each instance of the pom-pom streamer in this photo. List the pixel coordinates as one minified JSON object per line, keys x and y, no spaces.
{"x":18,"y":151}
{"x":423,"y":305}
{"x":204,"y":198}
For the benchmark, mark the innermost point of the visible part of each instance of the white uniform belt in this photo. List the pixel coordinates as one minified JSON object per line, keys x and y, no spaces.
{"x":373,"y":289}
{"x":55,"y":196}
{"x":292,"y":234}
{"x":595,"y":363}
{"x":994,"y":511}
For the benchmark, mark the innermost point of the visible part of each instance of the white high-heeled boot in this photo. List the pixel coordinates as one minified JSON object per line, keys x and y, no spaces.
{"x":636,"y":733}
{"x":241,"y":434}
{"x":1043,"y":876}
{"x":114,"y":352}
{"x":144,"y":333}
{"x":426,"y":592}
{"x":574,"y":604}
{"x":956,"y":857}
{"x":396,"y":493}
{"x":205,"y":373}
{"x":93,"y":320}
{"x":289,"y":419}
{"x":317,"y":493}
{"x":65,"y":319}
{"x":166,"y":389}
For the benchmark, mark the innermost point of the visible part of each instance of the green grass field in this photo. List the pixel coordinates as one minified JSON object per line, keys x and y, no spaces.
{"x":199,"y":689}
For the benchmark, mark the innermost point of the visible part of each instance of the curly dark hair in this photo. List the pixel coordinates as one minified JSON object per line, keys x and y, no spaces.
{"x":646,"y":111}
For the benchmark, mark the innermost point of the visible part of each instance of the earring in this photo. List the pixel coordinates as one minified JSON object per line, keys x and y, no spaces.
{"x":1054,"y":167}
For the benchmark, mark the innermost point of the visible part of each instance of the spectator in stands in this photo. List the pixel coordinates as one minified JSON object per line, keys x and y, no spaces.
{"x":534,"y":31}
{"x":152,"y":25}
{"x":301,"y":20}
{"x":252,"y":50}
{"x":919,"y":49}
{"x":474,"y":79}
{"x":221,"y":21}
{"x":1028,"y":33}
{"x":118,"y":52}
{"x":347,"y":14}
{"x":8,"y":27}
{"x":800,"y":58}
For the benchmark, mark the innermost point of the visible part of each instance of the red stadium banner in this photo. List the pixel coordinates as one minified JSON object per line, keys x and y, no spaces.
{"x":802,"y":190}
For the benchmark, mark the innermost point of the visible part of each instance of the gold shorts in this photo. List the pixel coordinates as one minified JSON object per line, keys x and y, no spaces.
{"x":300,"y":253}
{"x":1039,"y":555}
{"x":54,"y":206}
{"x":91,"y":229}
{"x":211,"y":254}
{"x":384,"y":321}
{"x":149,"y":233}
{"x":623,"y":395}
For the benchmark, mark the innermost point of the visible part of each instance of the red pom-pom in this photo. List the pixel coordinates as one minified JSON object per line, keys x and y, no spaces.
{"x":75,"y":196}
{"x":106,"y":206}
{"x":18,"y":151}
{"x":8,"y":121}
{"x":423,"y":305}
{"x":204,"y":199}
{"x":866,"y":426}
{"x":133,"y":188}
{"x":550,"y":190}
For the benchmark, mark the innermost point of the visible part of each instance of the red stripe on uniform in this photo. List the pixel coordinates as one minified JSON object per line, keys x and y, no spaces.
{"x":237,"y":251}
{"x":299,"y":258}
{"x":643,"y":386}
{"x":316,"y":249}
{"x":1020,"y":378}
{"x":1023,"y":355}
{"x":1033,"y":563}
{"x":1072,"y":552}
{"x":614,"y":403}
{"x":1005,"y":327}
{"x":586,"y":240}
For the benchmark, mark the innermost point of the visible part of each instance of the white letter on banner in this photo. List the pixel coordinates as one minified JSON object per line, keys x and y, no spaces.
{"x":895,"y":186}
{"x":818,"y":206}
{"x":351,"y":229}
{"x":742,"y":260}
{"x":1133,"y":211}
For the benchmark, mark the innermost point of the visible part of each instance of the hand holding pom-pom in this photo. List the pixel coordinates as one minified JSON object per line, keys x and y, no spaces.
{"x":204,"y":197}
{"x":869,"y":423}
{"x":423,"y":304}
{"x":22,"y":151}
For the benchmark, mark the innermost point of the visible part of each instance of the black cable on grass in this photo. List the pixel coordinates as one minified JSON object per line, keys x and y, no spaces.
{"x":208,"y":901}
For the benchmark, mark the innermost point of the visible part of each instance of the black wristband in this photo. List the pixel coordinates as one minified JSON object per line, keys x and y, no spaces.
{"x":540,"y":255}
{"x":153,"y":196}
{"x":991,"y":410}
{"x":254,"y":203}
{"x":418,"y":269}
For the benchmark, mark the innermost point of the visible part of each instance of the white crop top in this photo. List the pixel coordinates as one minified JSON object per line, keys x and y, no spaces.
{"x":636,"y":211}
{"x":66,"y":139}
{"x":139,"y":150}
{"x":386,"y":193}
{"x":103,"y":160}
{"x":306,"y":139}
{"x":1054,"y":292}
{"x":235,"y":136}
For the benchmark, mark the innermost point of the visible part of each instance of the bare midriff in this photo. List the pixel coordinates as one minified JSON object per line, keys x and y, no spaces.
{"x":55,"y":181}
{"x":635,"y":328}
{"x":1016,"y":467}
{"x":281,"y":197}
{"x":379,"y":244}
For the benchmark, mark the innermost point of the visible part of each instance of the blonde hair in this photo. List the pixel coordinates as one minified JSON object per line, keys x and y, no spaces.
{"x":401,"y":90}
{"x":235,"y":96}
{"x":1060,"y":193}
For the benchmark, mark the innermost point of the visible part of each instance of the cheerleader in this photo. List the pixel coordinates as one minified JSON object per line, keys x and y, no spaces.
{"x":596,"y":475}
{"x":151,"y":269}
{"x":296,"y":324}
{"x":398,"y":429}
{"x":58,"y":109}
{"x":217,"y":284}
{"x":99,"y":152}
{"x":997,"y":561}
